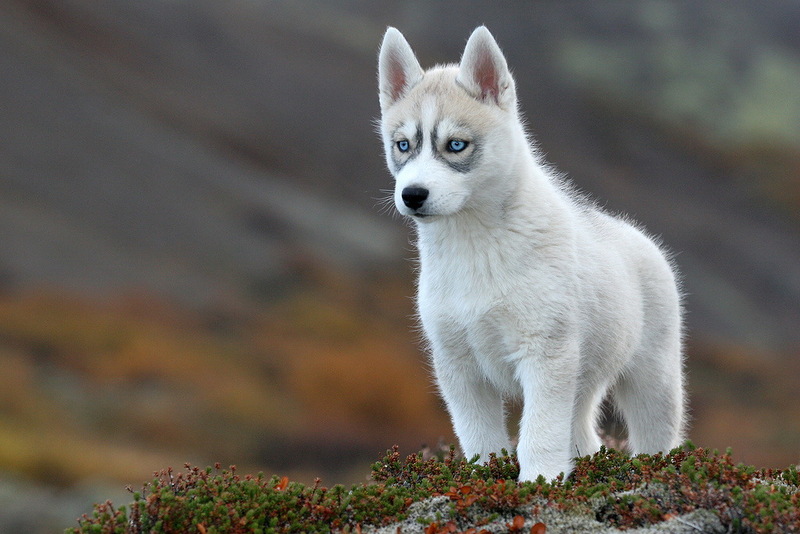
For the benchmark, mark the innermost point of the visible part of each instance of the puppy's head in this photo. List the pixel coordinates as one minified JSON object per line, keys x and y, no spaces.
{"x":447,"y":130}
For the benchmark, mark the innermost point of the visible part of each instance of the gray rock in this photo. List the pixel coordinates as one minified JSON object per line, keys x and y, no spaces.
{"x":439,"y":509}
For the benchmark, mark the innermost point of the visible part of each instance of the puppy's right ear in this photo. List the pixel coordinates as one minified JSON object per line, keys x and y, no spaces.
{"x":398,"y":68}
{"x":483,"y":71}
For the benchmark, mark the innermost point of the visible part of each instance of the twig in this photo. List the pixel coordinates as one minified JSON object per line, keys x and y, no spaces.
{"x":683,"y":521}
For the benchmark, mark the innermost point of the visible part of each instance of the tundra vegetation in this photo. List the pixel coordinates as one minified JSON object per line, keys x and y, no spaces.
{"x":691,"y":487}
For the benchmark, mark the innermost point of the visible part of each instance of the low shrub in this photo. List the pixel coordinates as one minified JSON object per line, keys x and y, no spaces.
{"x":609,"y":487}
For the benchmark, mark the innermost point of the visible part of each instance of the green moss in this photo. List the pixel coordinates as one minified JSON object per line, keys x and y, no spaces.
{"x":609,"y":488}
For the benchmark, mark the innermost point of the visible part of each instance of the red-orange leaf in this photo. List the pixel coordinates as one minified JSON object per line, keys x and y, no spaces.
{"x":516,"y":524}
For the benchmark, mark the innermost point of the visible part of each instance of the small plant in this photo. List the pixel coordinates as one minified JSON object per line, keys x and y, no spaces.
{"x":609,"y":487}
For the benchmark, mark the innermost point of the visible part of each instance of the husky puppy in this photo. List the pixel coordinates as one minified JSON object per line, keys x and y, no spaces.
{"x":525,"y":289}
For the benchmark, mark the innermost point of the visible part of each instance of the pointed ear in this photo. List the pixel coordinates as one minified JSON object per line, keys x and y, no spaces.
{"x":483,"y":71}
{"x":398,"y":68}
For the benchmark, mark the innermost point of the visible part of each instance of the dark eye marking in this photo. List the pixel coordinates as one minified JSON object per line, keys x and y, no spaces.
{"x":453,"y":152}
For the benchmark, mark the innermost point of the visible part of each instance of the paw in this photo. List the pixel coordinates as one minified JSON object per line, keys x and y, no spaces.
{"x":529,"y":473}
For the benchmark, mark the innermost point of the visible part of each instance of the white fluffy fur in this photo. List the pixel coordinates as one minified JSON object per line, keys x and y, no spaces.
{"x":524,"y":288}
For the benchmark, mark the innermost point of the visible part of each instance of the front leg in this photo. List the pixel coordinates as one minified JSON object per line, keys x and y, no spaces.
{"x":548,"y":380}
{"x":476,"y":407}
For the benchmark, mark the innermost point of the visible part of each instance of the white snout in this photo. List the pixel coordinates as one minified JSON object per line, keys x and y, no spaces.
{"x":446,"y":190}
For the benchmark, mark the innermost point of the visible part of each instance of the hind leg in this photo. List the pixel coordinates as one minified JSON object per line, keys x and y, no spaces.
{"x":584,"y":427}
{"x":651,"y":398}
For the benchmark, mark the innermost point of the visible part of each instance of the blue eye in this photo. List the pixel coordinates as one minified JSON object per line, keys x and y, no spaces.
{"x":456,"y":145}
{"x":402,"y":146}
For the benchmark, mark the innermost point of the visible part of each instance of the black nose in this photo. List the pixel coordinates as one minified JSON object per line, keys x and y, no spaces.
{"x":414,"y":197}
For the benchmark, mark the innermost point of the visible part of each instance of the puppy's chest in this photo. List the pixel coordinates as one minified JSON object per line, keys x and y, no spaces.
{"x":472,"y":283}
{"x":459,"y":288}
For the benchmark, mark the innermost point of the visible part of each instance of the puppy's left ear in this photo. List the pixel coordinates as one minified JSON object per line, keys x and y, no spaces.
{"x":398,"y":68}
{"x":484,"y":73}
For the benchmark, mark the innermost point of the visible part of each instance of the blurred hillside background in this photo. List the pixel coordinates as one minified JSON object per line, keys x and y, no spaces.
{"x":194,"y":261}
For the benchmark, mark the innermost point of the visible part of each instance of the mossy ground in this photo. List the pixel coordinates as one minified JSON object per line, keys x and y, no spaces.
{"x":608,"y":489}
